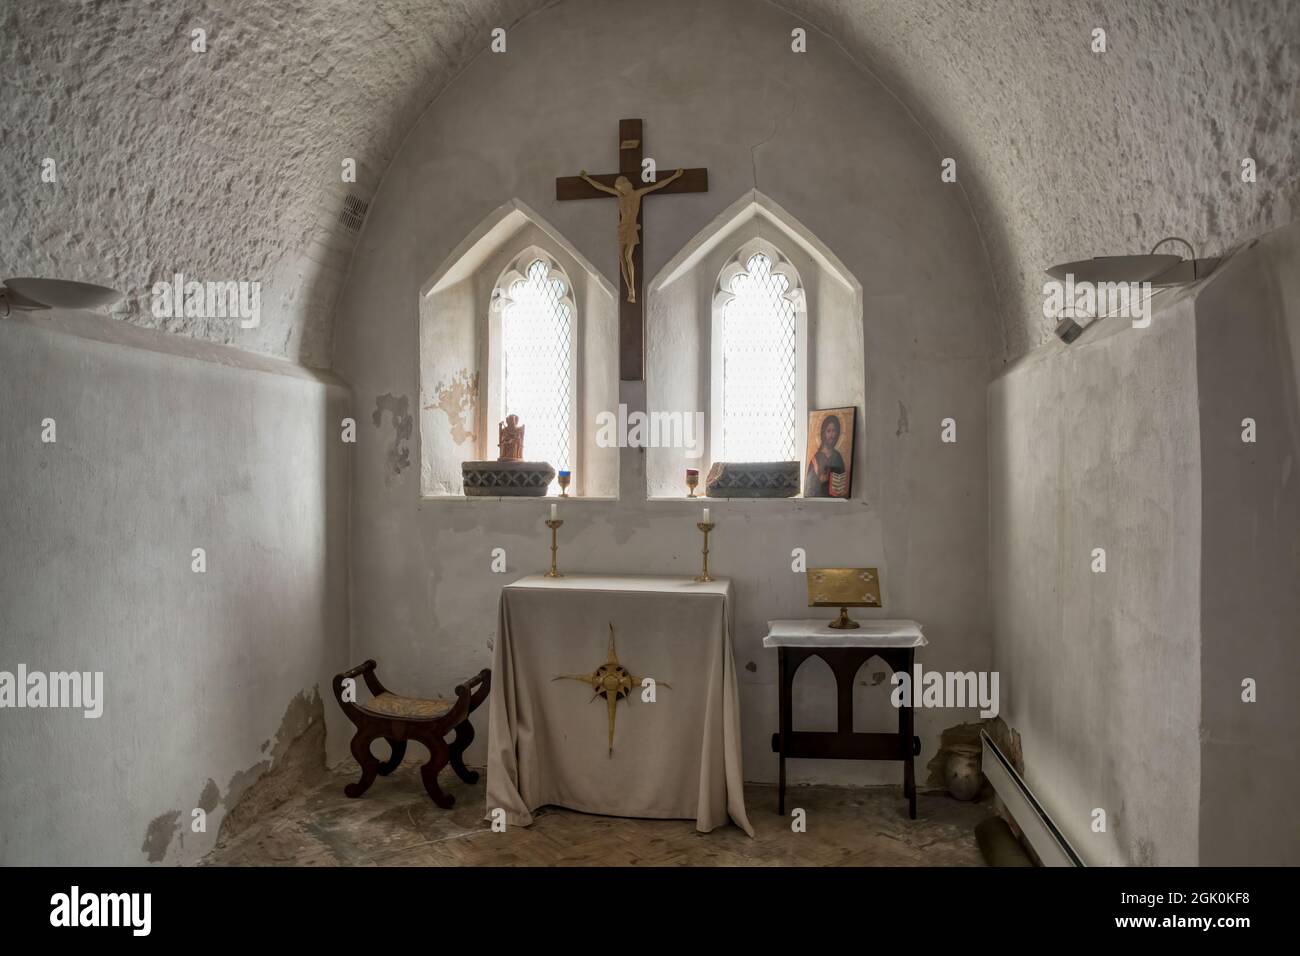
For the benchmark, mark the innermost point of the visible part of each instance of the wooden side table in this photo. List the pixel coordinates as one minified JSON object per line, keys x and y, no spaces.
{"x":895,"y":643}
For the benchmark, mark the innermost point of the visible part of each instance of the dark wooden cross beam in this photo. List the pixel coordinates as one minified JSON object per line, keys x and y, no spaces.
{"x":629,"y":192}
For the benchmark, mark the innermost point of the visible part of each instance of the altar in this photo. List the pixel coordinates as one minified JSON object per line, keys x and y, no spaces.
{"x":616,"y":695}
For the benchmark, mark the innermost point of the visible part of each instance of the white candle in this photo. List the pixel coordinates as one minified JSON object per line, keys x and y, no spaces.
{"x":706,"y":515}
{"x":552,"y":512}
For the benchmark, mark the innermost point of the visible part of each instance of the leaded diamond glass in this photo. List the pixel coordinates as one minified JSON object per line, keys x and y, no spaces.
{"x":536,"y":338}
{"x":759,"y":411}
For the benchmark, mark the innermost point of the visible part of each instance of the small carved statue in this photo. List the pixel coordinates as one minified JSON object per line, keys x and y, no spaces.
{"x":510,"y":439}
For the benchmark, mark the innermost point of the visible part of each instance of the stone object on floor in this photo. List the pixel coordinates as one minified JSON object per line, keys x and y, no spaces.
{"x":999,"y":845}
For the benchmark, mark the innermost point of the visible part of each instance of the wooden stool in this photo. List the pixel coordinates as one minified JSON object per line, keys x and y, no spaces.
{"x":399,"y":719}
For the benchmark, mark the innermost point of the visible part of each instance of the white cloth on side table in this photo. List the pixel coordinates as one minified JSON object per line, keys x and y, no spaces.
{"x":677,"y":758}
{"x":814,"y":633}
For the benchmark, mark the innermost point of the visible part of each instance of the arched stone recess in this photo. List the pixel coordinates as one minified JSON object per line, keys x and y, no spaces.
{"x":684,"y":305}
{"x":460,"y":357}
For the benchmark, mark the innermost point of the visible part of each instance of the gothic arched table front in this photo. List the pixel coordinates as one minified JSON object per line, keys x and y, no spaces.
{"x":845,"y":651}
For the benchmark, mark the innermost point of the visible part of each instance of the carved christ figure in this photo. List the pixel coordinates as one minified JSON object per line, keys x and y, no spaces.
{"x":629,"y":210}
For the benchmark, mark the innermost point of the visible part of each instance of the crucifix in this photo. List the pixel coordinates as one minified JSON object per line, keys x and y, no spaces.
{"x":622,"y":186}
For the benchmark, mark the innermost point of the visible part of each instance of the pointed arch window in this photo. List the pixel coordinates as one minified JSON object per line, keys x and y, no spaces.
{"x":534,"y":301}
{"x":758,"y":362}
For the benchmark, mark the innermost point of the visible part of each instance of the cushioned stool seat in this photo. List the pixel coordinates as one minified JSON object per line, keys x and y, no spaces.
{"x":398,"y":719}
{"x":411,"y":708}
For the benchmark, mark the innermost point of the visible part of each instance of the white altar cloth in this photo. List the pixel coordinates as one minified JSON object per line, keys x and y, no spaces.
{"x":676,"y":758}
{"x":815,"y":633}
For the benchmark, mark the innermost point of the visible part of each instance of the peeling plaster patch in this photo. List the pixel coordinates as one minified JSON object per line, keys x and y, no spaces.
{"x":209,"y":800}
{"x":210,"y":797}
{"x":241,"y":782}
{"x":159,"y":835}
{"x":297,"y":761}
{"x":1008,"y":742}
{"x":903,"y":427}
{"x":399,"y":453}
{"x":458,"y":400}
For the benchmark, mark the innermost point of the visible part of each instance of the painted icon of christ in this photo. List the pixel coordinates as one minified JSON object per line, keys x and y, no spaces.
{"x":830,"y":445}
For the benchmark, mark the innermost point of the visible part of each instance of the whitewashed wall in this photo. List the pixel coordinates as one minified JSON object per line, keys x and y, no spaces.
{"x":207,"y":677}
{"x":717,"y":86}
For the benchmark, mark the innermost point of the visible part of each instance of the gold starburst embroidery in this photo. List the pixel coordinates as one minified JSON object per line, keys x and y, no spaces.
{"x":612,"y":681}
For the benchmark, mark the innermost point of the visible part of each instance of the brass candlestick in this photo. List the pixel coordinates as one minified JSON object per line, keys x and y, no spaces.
{"x":706,"y":527}
{"x":554,"y":524}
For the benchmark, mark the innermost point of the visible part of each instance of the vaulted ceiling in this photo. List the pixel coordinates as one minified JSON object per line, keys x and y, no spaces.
{"x":226,"y":165}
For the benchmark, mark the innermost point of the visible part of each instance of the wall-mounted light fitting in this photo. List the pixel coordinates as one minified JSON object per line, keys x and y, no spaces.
{"x":1127,"y":275}
{"x":1159,"y":270}
{"x":31,"y":295}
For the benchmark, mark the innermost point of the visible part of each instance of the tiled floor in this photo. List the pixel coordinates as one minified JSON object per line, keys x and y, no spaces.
{"x":395,"y":823}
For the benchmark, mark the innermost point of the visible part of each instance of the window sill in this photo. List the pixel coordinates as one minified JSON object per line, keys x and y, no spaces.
{"x":705,"y":500}
{"x":699,"y":500}
{"x":521,"y":499}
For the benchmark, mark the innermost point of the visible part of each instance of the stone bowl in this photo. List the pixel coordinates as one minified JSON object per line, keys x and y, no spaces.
{"x":506,"y":479}
{"x":962,"y":772}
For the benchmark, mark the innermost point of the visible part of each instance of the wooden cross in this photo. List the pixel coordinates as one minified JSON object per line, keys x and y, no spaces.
{"x":629,"y":192}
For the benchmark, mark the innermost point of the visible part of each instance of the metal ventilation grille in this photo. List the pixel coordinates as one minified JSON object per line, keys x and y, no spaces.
{"x":353,"y":213}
